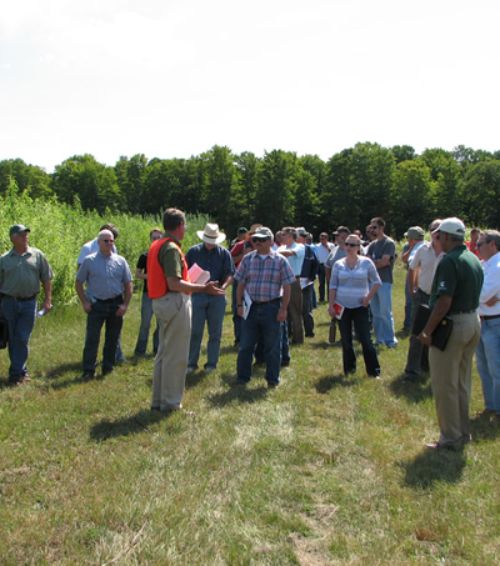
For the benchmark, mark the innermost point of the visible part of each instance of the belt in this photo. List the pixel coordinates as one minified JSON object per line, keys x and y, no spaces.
{"x":23,"y":298}
{"x":112,"y":300}
{"x":489,"y":316}
{"x":267,"y":302}
{"x":423,"y":292}
{"x":472,"y":311}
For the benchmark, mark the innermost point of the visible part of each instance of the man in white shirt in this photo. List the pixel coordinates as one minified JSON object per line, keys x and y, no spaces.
{"x":421,"y":269}
{"x":488,"y":349}
{"x":294,"y":253}
{"x":322,"y":250}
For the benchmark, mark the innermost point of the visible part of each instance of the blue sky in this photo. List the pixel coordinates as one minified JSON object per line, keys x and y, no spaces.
{"x":172,"y":78}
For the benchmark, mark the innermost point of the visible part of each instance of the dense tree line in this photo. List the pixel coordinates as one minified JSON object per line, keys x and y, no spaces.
{"x":281,"y":187}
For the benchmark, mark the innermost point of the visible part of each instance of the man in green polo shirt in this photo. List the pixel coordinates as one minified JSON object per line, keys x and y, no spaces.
{"x":455,"y":293}
{"x":21,"y":271}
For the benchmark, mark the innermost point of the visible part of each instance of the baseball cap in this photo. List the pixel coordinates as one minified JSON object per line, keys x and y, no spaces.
{"x":415,"y":233}
{"x":453,"y":226}
{"x":263,"y":233}
{"x":17,"y":229}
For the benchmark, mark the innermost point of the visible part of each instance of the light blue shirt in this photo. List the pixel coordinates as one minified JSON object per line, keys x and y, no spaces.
{"x":88,"y":248}
{"x":297,"y":259}
{"x":106,"y":276}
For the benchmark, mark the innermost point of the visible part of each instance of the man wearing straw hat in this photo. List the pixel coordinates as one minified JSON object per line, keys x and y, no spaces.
{"x":211,"y":257}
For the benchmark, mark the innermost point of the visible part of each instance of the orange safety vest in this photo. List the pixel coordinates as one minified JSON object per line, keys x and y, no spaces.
{"x":157,"y":282}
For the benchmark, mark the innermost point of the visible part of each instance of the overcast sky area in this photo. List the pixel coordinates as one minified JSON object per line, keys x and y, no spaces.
{"x":172,"y":78}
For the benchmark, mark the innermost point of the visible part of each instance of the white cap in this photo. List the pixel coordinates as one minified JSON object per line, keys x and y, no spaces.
{"x":453,"y":226}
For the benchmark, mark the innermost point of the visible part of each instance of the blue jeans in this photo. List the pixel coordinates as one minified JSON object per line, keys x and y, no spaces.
{"x":146,"y":316}
{"x":488,"y":363}
{"x":102,"y":313}
{"x":307,"y":307}
{"x":408,"y":303}
{"x":20,"y":316}
{"x":285,"y":345}
{"x":418,"y":354}
{"x":322,"y":283}
{"x":237,"y":320}
{"x":383,"y":321}
{"x":360,"y":319}
{"x":209,"y":309}
{"x":261,"y":323}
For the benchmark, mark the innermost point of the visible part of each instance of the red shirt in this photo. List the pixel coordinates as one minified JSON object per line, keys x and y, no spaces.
{"x":237,"y":250}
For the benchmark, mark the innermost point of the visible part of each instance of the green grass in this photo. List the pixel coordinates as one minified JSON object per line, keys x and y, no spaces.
{"x":322,"y":470}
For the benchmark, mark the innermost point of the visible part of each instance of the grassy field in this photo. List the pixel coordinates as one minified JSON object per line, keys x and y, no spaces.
{"x":322,"y":470}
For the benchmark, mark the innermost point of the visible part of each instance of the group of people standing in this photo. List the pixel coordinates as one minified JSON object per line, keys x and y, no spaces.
{"x":273,"y":297}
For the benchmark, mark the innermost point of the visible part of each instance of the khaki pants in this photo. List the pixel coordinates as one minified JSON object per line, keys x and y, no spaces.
{"x":173,"y":312}
{"x":296,"y":324}
{"x":451,"y":378}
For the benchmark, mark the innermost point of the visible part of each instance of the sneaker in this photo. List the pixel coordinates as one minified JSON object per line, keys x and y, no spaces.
{"x":191,"y":369}
{"x":209,"y":369}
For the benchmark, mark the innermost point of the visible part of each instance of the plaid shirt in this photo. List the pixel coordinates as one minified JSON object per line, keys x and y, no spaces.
{"x":264,"y":277}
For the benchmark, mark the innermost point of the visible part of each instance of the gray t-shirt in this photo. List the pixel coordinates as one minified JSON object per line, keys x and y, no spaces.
{"x":379,"y":248}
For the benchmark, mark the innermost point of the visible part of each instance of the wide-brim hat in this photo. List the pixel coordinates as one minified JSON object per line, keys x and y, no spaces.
{"x":211,"y":234}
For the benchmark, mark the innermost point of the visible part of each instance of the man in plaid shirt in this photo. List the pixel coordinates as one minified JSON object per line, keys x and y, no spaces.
{"x":264,"y":277}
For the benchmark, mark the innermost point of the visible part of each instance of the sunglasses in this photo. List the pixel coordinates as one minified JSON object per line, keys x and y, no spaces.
{"x":352,"y":245}
{"x":257,"y":240}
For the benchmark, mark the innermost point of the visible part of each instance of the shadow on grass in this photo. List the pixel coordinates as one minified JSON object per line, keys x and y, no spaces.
{"x":125,"y":426}
{"x":402,"y":333}
{"x":483,"y":428}
{"x":236,"y":393}
{"x":194,"y":378}
{"x":434,"y":466}
{"x":229,"y":349}
{"x":414,"y":391}
{"x":326,"y":383}
{"x":324,"y":345}
{"x":63,"y":368}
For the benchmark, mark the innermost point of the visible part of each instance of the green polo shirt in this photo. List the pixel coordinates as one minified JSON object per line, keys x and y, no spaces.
{"x":170,"y":258}
{"x":20,"y":275}
{"x":459,"y":275}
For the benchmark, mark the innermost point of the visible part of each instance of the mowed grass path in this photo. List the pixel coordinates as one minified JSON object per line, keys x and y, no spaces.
{"x":322,"y":470}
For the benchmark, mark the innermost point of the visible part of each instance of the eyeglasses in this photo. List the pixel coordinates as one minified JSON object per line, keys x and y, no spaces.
{"x":352,"y":245}
{"x":257,"y":240}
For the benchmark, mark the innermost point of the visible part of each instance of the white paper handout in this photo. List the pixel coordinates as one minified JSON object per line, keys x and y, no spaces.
{"x":198,"y":275}
{"x":247,"y":303}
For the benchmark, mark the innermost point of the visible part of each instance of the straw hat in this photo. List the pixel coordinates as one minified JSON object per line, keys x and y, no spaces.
{"x":211,"y":234}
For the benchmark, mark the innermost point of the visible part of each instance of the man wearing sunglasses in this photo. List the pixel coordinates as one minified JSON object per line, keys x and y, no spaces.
{"x":264,"y":277}
{"x":105,"y":300}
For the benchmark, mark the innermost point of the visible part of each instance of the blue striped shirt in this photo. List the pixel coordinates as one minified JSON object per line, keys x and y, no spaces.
{"x":353,"y":284}
{"x":264,"y":276}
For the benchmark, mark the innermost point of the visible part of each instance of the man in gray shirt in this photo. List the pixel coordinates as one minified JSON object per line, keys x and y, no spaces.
{"x":382,"y":251}
{"x":21,"y":271}
{"x":109,"y":290}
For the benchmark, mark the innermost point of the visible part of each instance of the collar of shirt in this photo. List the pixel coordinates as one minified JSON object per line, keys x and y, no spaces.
{"x":27,"y":252}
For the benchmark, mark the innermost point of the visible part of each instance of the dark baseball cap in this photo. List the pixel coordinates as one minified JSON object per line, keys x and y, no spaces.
{"x":17,"y":229}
